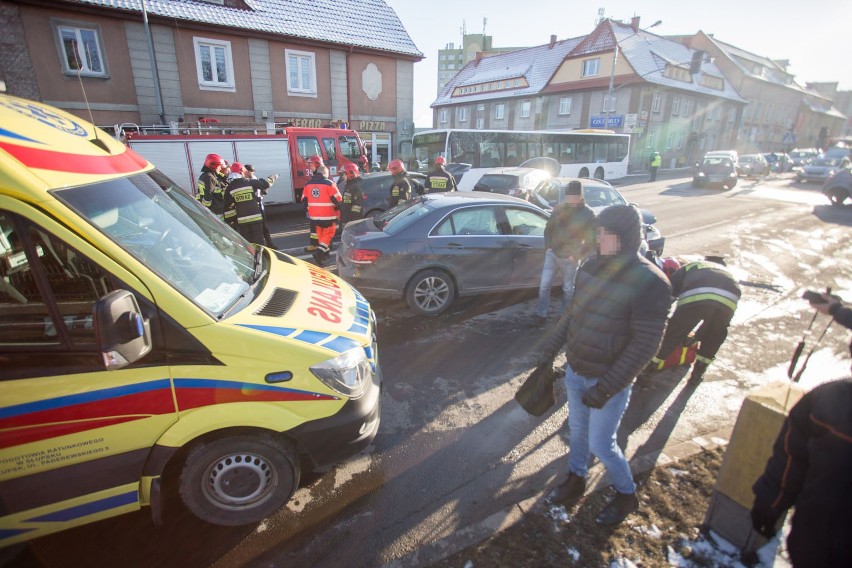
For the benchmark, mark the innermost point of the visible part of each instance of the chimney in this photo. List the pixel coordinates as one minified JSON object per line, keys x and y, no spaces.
{"x":478,"y":59}
{"x":634,"y":23}
{"x":552,"y":41}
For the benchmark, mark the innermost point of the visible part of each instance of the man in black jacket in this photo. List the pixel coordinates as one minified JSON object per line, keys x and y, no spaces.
{"x":568,"y":237}
{"x":610,"y":331}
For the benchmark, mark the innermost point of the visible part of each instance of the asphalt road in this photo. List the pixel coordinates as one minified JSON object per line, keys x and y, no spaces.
{"x":454,"y":447}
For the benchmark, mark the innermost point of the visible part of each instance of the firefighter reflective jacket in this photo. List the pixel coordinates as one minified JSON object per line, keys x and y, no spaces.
{"x":323,"y":199}
{"x":400,"y":190}
{"x":242,"y":200}
{"x":705,"y":281}
{"x":211,"y":190}
{"x":440,"y":180}
{"x":353,"y":201}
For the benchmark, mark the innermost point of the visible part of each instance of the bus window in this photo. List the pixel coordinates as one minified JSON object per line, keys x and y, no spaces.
{"x":567,"y":152}
{"x":584,"y":152}
{"x":600,"y":149}
{"x":464,"y":148}
{"x":617,"y":150}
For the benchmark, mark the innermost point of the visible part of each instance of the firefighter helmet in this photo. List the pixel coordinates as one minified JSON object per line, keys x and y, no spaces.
{"x":440,"y":161}
{"x":396,"y":167}
{"x":669,"y":265}
{"x":213,"y":161}
{"x":237,"y":168}
{"x":351,"y":170}
{"x":315,"y":161}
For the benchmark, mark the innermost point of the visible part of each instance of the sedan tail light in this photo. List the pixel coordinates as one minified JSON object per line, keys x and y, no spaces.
{"x":364,"y":256}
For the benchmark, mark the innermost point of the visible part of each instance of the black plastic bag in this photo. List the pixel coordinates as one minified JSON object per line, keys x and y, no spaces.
{"x":536,"y":394}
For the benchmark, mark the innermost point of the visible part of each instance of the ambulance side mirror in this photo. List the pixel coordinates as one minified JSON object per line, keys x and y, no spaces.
{"x":124,"y":334}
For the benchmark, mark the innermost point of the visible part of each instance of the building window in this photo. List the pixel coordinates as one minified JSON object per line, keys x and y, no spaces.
{"x":679,"y":140}
{"x":480,"y":123}
{"x":609,"y":102}
{"x":731,"y":115}
{"x":669,"y":140}
{"x":657,"y":102}
{"x":214,"y":64}
{"x":499,"y":111}
{"x":652,"y":135}
{"x":717,"y":112}
{"x":565,"y":105}
{"x":301,"y":73}
{"x":525,"y":109}
{"x":81,"y":49}
{"x":675,"y":106}
{"x":461,"y":114}
{"x":590,"y":67}
{"x":451,"y":66}
{"x":443,"y":116}
{"x":687,"y":103}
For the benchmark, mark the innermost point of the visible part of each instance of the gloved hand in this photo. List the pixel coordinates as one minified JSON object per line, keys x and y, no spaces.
{"x":272,"y":179}
{"x":595,"y":397}
{"x":763,"y":522}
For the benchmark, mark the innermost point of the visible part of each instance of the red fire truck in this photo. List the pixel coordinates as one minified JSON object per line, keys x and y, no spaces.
{"x":181,"y":156}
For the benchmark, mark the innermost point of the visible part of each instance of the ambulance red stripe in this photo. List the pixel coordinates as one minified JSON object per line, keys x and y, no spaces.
{"x":124,"y":163}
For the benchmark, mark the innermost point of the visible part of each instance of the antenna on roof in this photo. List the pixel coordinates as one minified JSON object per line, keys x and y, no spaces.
{"x":600,"y":16}
{"x":484,"y":23}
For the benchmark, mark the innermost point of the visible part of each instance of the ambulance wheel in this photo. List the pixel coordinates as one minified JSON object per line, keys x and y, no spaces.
{"x":238,"y":480}
{"x":430,"y":292}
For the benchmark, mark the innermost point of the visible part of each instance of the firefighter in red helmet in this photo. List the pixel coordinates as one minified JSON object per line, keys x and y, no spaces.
{"x":439,"y":179}
{"x":353,"y":196}
{"x":210,"y":188}
{"x":400,"y":190}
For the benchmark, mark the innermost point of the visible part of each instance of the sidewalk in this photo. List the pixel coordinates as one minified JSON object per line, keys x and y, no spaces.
{"x":476,"y":540}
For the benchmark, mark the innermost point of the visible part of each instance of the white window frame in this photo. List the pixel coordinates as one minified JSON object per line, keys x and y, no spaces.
{"x":442,"y":116}
{"x":652,"y":135}
{"x":200,"y":43}
{"x":308,"y":58}
{"x":687,"y":106}
{"x":480,"y":123}
{"x":656,"y":102}
{"x":78,"y":27}
{"x":461,"y":114}
{"x":679,"y":141}
{"x":675,"y":106}
{"x":499,"y":111}
{"x":669,"y":140}
{"x":591,"y":67}
{"x":526,"y":107}
{"x":564,"y":106}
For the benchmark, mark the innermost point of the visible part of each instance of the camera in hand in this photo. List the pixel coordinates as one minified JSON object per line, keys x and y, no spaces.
{"x":814,"y":297}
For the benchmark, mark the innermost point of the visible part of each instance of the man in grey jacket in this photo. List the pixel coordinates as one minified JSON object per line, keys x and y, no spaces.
{"x":610,"y":331}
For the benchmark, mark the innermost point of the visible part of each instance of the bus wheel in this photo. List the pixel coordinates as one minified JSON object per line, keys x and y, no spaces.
{"x":599,"y":173}
{"x":240,"y":479}
{"x":584,"y":173}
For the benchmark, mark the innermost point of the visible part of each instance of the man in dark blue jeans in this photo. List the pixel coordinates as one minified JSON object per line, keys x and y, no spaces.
{"x":610,"y":331}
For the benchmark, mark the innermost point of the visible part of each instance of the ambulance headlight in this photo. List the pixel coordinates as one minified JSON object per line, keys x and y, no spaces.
{"x":349,"y":373}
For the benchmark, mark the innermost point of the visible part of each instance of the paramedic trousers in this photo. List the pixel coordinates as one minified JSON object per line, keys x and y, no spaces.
{"x":714,"y":318}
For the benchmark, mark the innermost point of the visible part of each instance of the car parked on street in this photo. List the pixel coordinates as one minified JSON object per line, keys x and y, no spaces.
{"x":598,"y":195}
{"x":819,"y":170}
{"x":376,"y":188}
{"x":719,"y":171}
{"x":752,"y":165}
{"x":439,"y":246}
{"x":779,"y":161}
{"x":803,"y":156}
{"x":838,"y":188}
{"x":516,"y":181}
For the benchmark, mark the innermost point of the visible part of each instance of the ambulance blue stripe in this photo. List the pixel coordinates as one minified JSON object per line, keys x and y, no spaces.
{"x":358,"y":328}
{"x":82,"y":398}
{"x":88,"y":509}
{"x":10,"y":134}
{"x":313,"y":337}
{"x":218,"y":384}
{"x":369,"y":352}
{"x":341,"y":344}
{"x":285,"y":331}
{"x":9,"y":533}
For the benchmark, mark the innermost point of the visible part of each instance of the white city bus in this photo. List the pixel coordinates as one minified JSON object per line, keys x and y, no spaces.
{"x":601,"y":154}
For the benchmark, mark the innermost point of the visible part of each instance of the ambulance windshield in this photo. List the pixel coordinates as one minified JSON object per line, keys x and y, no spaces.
{"x":170,"y":232}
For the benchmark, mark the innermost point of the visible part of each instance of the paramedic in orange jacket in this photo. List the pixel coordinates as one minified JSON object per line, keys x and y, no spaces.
{"x":323,"y":201}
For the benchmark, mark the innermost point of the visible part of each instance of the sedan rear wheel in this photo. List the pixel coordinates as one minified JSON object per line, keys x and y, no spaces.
{"x":430,"y":292}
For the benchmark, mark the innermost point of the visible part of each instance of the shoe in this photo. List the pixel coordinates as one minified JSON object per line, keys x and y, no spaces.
{"x":570,"y":490}
{"x":698,"y":371}
{"x":317,"y":257}
{"x":621,"y":505}
{"x":310,"y":248}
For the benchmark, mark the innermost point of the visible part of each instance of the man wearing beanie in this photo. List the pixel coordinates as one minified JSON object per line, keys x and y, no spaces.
{"x":610,"y":331}
{"x":568,"y":237}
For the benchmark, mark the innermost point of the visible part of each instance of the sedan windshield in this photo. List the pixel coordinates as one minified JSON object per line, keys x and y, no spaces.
{"x":171,"y":233}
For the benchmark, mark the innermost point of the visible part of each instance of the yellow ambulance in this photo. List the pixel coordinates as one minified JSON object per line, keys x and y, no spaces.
{"x":144,"y":344}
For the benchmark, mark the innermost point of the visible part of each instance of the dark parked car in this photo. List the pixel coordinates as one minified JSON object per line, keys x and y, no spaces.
{"x":820,"y":169}
{"x":838,"y":188}
{"x":803,"y":156}
{"x":716,"y":171}
{"x":517,"y":182}
{"x":779,"y":161}
{"x":439,"y":246}
{"x":752,"y":165}
{"x":376,"y":188}
{"x":598,"y":195}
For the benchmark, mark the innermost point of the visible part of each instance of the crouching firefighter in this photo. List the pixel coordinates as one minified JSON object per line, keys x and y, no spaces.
{"x":323,"y":200}
{"x":707,"y":293}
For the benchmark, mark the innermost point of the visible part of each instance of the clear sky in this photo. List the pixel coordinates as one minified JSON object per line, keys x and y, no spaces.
{"x":812,"y":36}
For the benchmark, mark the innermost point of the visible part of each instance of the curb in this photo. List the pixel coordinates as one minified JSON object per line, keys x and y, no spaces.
{"x":466,"y":537}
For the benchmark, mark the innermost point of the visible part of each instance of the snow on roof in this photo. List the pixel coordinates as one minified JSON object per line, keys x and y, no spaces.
{"x":768,"y":69}
{"x":370,"y":24}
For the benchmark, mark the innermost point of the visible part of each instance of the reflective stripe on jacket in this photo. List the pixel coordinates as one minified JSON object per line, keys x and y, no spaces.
{"x":705,"y":281}
{"x":323,"y":199}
